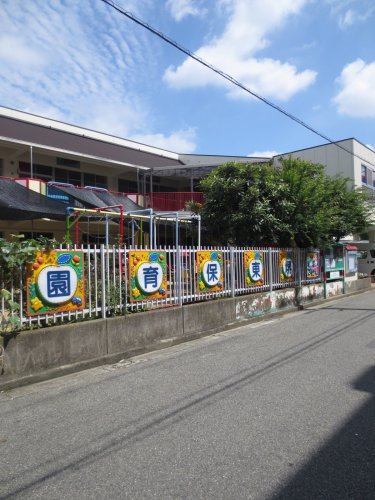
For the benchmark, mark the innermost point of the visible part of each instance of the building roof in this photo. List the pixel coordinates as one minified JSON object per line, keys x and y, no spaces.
{"x":20,"y":203}
{"x":200,"y":169}
{"x":353,"y":139}
{"x":31,"y":130}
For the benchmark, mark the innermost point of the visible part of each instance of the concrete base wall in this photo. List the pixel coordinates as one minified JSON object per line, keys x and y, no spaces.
{"x":39,"y":354}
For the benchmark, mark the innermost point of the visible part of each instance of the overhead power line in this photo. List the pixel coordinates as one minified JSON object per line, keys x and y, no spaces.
{"x":230,"y":78}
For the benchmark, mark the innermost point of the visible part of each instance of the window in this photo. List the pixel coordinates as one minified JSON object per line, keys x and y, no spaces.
{"x":68,"y":176}
{"x":368,"y":176}
{"x":37,"y":234}
{"x":125,"y":186}
{"x":372,"y":253}
{"x":94,"y":180}
{"x":364,"y":174}
{"x":362,"y":254}
{"x":66,"y":162}
{"x":42,"y":172}
{"x":93,"y":239}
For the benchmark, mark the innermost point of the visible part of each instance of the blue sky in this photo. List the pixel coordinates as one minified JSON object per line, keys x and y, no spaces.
{"x":81,"y":62}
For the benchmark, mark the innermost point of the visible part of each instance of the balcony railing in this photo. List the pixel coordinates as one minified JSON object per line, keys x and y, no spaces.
{"x":168,"y":201}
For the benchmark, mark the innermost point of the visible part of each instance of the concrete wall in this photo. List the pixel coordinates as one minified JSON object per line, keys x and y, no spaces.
{"x":39,"y":354}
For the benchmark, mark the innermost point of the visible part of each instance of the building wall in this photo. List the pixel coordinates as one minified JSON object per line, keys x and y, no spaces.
{"x":335,"y":160}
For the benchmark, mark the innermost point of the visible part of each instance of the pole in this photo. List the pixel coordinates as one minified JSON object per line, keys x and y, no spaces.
{"x":232,"y":272}
{"x":77,"y":231}
{"x":151,"y":201}
{"x":199,"y":232}
{"x":121,"y":226}
{"x":31,"y":163}
{"x":67,"y":229}
{"x":102,"y":265}
{"x":151,"y":227}
{"x":178,"y":265}
{"x":106,"y":231}
{"x":270,"y":267}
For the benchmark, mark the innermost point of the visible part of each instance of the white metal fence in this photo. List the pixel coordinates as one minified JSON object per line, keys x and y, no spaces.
{"x":106,"y":278}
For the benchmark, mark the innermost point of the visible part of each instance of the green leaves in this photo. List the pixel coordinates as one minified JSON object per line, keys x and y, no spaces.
{"x":294,"y":204}
{"x":14,"y":255}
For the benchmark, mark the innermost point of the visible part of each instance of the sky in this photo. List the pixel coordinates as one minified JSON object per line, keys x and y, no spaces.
{"x":81,"y":62}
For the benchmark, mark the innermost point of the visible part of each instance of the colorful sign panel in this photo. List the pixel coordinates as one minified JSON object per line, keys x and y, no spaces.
{"x":210,"y":271}
{"x":254,"y":268}
{"x":55,"y":282}
{"x":334,"y":259}
{"x":286,"y":266}
{"x":148,"y":275}
{"x":312,"y":265}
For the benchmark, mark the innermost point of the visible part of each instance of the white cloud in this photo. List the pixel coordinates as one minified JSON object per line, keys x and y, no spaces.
{"x":245,"y":34}
{"x":263,"y":154}
{"x":182,"y":8}
{"x":181,"y":141}
{"x":347,"y":15}
{"x":81,"y":63}
{"x":76,"y":66}
{"x":351,"y":17}
{"x":15,"y":51}
{"x":357,"y":97}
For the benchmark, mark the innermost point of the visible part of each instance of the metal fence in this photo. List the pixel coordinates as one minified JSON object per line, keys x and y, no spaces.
{"x":106,"y":282}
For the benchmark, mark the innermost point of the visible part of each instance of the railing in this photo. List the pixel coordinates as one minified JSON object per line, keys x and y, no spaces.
{"x":107,"y":291}
{"x":168,"y":201}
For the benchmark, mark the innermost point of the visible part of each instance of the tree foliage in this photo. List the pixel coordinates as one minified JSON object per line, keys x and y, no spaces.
{"x":294,"y":204}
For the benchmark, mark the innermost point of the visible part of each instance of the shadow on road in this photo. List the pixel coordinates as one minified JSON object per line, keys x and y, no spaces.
{"x":345,"y":467}
{"x":346,"y":309}
{"x":349,"y":459}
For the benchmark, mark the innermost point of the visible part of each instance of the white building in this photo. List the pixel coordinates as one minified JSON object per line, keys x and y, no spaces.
{"x":349,"y":158}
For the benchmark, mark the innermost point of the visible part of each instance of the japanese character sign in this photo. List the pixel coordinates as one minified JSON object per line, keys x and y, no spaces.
{"x":254,"y":268}
{"x":286,"y":266}
{"x":312,"y":265}
{"x":55,"y":282}
{"x":210,"y":271}
{"x":148,"y":275}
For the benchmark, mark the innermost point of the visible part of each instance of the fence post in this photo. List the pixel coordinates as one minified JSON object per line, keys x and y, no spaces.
{"x":270,"y":267}
{"x":178,"y":275}
{"x":103,"y":280}
{"x":299,"y":287}
{"x":232,"y":272}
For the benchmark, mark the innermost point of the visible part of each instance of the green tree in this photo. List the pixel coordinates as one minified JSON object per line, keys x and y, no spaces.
{"x":294,"y":204}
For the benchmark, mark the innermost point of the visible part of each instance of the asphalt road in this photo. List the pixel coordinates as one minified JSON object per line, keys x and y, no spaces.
{"x":278,"y":409}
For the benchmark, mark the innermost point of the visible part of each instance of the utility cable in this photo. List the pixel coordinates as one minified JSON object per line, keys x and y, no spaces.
{"x":230,"y":78}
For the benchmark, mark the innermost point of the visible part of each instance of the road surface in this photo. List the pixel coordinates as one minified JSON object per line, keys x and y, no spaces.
{"x":284,"y":408}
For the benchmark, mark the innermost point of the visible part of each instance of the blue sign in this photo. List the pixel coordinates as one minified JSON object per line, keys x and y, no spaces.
{"x":58,"y":284}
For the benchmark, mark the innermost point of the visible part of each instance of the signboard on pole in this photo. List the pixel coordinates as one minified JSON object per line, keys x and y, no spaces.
{"x":55,"y":282}
{"x":148,"y":275}
{"x":312,"y":265}
{"x":254,"y":268}
{"x":210,"y":271}
{"x":286,"y":265}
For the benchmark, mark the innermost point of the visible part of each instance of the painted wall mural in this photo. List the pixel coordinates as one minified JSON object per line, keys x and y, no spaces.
{"x":312,"y":265}
{"x":254,"y":268}
{"x":55,"y":282}
{"x":286,"y":266}
{"x":210,"y":271}
{"x":148,"y":275}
